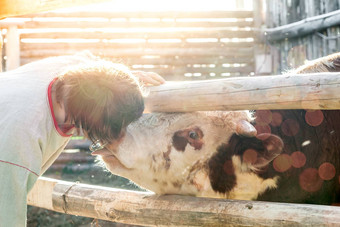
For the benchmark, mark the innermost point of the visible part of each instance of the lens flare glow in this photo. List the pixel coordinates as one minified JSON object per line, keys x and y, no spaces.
{"x":282,"y":163}
{"x":250,"y":156}
{"x":314,"y":118}
{"x":277,"y":119}
{"x":261,"y":129}
{"x":310,"y":181}
{"x":228,"y":167}
{"x":327,"y":171}
{"x":263,"y":117}
{"x":298,"y":159}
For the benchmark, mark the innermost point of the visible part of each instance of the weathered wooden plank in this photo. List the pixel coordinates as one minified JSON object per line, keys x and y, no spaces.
{"x":309,"y":91}
{"x":204,"y":70}
{"x":77,"y":23}
{"x":150,"y":14}
{"x":145,"y":52}
{"x":139,"y":34}
{"x":145,"y":208}
{"x":118,"y":45}
{"x":20,"y":7}
{"x":173,"y":60}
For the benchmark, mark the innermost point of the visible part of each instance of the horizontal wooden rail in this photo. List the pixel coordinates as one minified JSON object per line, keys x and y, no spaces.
{"x":141,"y":34}
{"x":137,"y":44}
{"x":144,"y":51}
{"x":168,"y":60}
{"x":150,"y":14}
{"x":130,"y":24}
{"x":308,"y":91}
{"x":144,"y":208}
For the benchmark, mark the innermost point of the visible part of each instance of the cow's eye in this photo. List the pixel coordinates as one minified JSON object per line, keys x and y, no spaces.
{"x":193,"y":135}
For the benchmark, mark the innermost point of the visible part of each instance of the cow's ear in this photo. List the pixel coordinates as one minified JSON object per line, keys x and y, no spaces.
{"x":272,"y":147}
{"x":256,"y":152}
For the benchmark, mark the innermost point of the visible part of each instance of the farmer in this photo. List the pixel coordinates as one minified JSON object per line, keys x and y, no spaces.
{"x":42,"y":104}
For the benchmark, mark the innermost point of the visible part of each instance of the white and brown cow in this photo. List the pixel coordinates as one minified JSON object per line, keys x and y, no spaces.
{"x":278,"y":155}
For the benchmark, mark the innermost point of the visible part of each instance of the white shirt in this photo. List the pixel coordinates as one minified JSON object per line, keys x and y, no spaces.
{"x":30,"y":139}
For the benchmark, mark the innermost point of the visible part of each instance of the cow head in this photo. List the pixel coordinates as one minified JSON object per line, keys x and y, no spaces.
{"x":211,"y":154}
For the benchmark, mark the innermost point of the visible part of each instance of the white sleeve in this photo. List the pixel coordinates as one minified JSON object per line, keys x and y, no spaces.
{"x":15,"y":182}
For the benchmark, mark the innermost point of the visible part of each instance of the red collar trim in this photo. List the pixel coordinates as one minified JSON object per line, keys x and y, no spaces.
{"x":49,"y":94}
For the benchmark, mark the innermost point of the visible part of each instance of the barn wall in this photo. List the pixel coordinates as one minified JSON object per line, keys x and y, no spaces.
{"x":177,"y":45}
{"x":289,"y":53}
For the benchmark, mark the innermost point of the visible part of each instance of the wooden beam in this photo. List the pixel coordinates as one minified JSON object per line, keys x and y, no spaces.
{"x":21,"y":7}
{"x":148,"y":14}
{"x":134,"y":52}
{"x":12,"y":48}
{"x":217,"y":33}
{"x":1,"y":59}
{"x":132,"y":24}
{"x":308,"y":91}
{"x":138,"y":45}
{"x":303,"y":27}
{"x":145,"y":208}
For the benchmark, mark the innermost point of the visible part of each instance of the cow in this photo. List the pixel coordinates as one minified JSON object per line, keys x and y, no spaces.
{"x":267,"y":155}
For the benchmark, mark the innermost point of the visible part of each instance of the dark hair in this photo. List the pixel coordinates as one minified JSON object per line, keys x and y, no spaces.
{"x":100,"y":97}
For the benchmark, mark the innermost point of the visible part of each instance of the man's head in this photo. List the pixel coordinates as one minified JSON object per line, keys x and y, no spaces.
{"x":101,"y":98}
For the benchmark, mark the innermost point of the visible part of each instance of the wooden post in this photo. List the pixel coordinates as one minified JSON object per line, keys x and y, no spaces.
{"x":144,"y":208}
{"x":300,"y":91}
{"x":1,"y":45}
{"x":12,"y":48}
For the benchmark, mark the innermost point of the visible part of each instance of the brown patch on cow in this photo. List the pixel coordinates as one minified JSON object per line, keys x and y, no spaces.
{"x":166,"y":156}
{"x":196,"y":172}
{"x":176,"y":184}
{"x":221,"y":181}
{"x":192,"y":136}
{"x":155,"y":180}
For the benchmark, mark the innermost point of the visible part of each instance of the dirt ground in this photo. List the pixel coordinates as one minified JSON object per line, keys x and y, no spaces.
{"x":77,"y":167}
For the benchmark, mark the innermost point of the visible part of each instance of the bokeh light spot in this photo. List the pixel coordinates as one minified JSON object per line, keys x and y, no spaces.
{"x":290,"y":127}
{"x":310,"y":181}
{"x":277,"y":119}
{"x":298,"y":159}
{"x":263,"y":117}
{"x":228,"y":167}
{"x":250,"y":156}
{"x":314,"y":117}
{"x":263,"y":136}
{"x":263,"y":129}
{"x":327,"y":171}
{"x":282,"y":163}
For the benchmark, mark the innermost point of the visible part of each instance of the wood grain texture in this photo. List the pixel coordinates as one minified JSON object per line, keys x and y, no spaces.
{"x":308,"y":91}
{"x":144,"y":208}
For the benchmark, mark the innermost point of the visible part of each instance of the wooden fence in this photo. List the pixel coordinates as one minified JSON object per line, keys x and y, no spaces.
{"x":300,"y":30}
{"x":318,"y":90}
{"x":177,"y":45}
{"x":144,"y":208}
